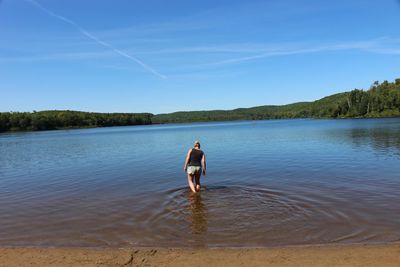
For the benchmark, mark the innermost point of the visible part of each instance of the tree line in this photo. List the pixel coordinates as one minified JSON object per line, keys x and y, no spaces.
{"x":380,"y":100}
{"x":61,"y":119}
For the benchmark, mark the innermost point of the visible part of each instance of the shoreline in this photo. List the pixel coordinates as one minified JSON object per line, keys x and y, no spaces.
{"x":194,"y":122}
{"x":385,"y":254}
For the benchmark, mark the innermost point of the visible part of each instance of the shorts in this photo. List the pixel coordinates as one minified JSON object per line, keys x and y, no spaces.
{"x":192,"y":170}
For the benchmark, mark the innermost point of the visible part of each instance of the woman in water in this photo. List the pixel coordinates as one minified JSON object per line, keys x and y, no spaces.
{"x":195,"y":163}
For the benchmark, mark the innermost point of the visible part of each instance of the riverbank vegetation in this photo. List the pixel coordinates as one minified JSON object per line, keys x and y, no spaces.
{"x":380,"y":100}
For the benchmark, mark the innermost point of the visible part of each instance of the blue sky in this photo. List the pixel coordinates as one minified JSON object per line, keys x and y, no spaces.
{"x":164,"y":56}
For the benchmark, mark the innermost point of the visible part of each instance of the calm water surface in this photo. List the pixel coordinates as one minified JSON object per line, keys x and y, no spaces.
{"x":269,"y":183}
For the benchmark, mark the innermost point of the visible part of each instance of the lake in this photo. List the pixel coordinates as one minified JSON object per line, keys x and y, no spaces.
{"x":269,"y":183}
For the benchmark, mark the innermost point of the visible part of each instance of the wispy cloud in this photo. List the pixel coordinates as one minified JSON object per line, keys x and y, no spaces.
{"x":387,"y":51}
{"x":59,"y":56}
{"x":379,"y":46}
{"x":181,"y":59}
{"x":96,"y":39}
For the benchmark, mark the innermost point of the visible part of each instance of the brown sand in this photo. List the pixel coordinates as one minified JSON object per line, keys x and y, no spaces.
{"x":329,"y":256}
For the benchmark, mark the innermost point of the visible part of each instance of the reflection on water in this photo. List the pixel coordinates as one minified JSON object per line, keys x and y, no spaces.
{"x":282,"y":182}
{"x":197,"y":218}
{"x":383,"y":140}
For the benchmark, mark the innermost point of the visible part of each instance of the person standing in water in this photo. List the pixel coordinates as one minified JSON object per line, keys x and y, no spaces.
{"x":195,"y":164}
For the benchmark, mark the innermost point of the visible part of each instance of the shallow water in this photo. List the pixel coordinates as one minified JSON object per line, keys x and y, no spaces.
{"x":282,"y":182}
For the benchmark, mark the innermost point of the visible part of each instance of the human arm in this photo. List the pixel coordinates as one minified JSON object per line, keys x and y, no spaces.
{"x":187,"y":160}
{"x":204,"y":163}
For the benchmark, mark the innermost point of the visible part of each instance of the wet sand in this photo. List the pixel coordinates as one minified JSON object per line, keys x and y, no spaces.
{"x":328,"y":255}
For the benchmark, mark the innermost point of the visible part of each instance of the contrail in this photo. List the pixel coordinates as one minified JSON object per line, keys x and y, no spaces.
{"x":94,"y":38}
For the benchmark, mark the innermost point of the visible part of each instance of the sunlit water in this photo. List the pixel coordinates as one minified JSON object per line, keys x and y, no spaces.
{"x":269,"y":183}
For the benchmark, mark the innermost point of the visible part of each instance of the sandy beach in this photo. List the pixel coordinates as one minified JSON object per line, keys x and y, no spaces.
{"x":344,"y":255}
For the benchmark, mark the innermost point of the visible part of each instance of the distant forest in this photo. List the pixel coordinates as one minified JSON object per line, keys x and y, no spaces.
{"x":63,"y":119}
{"x":380,"y":100}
